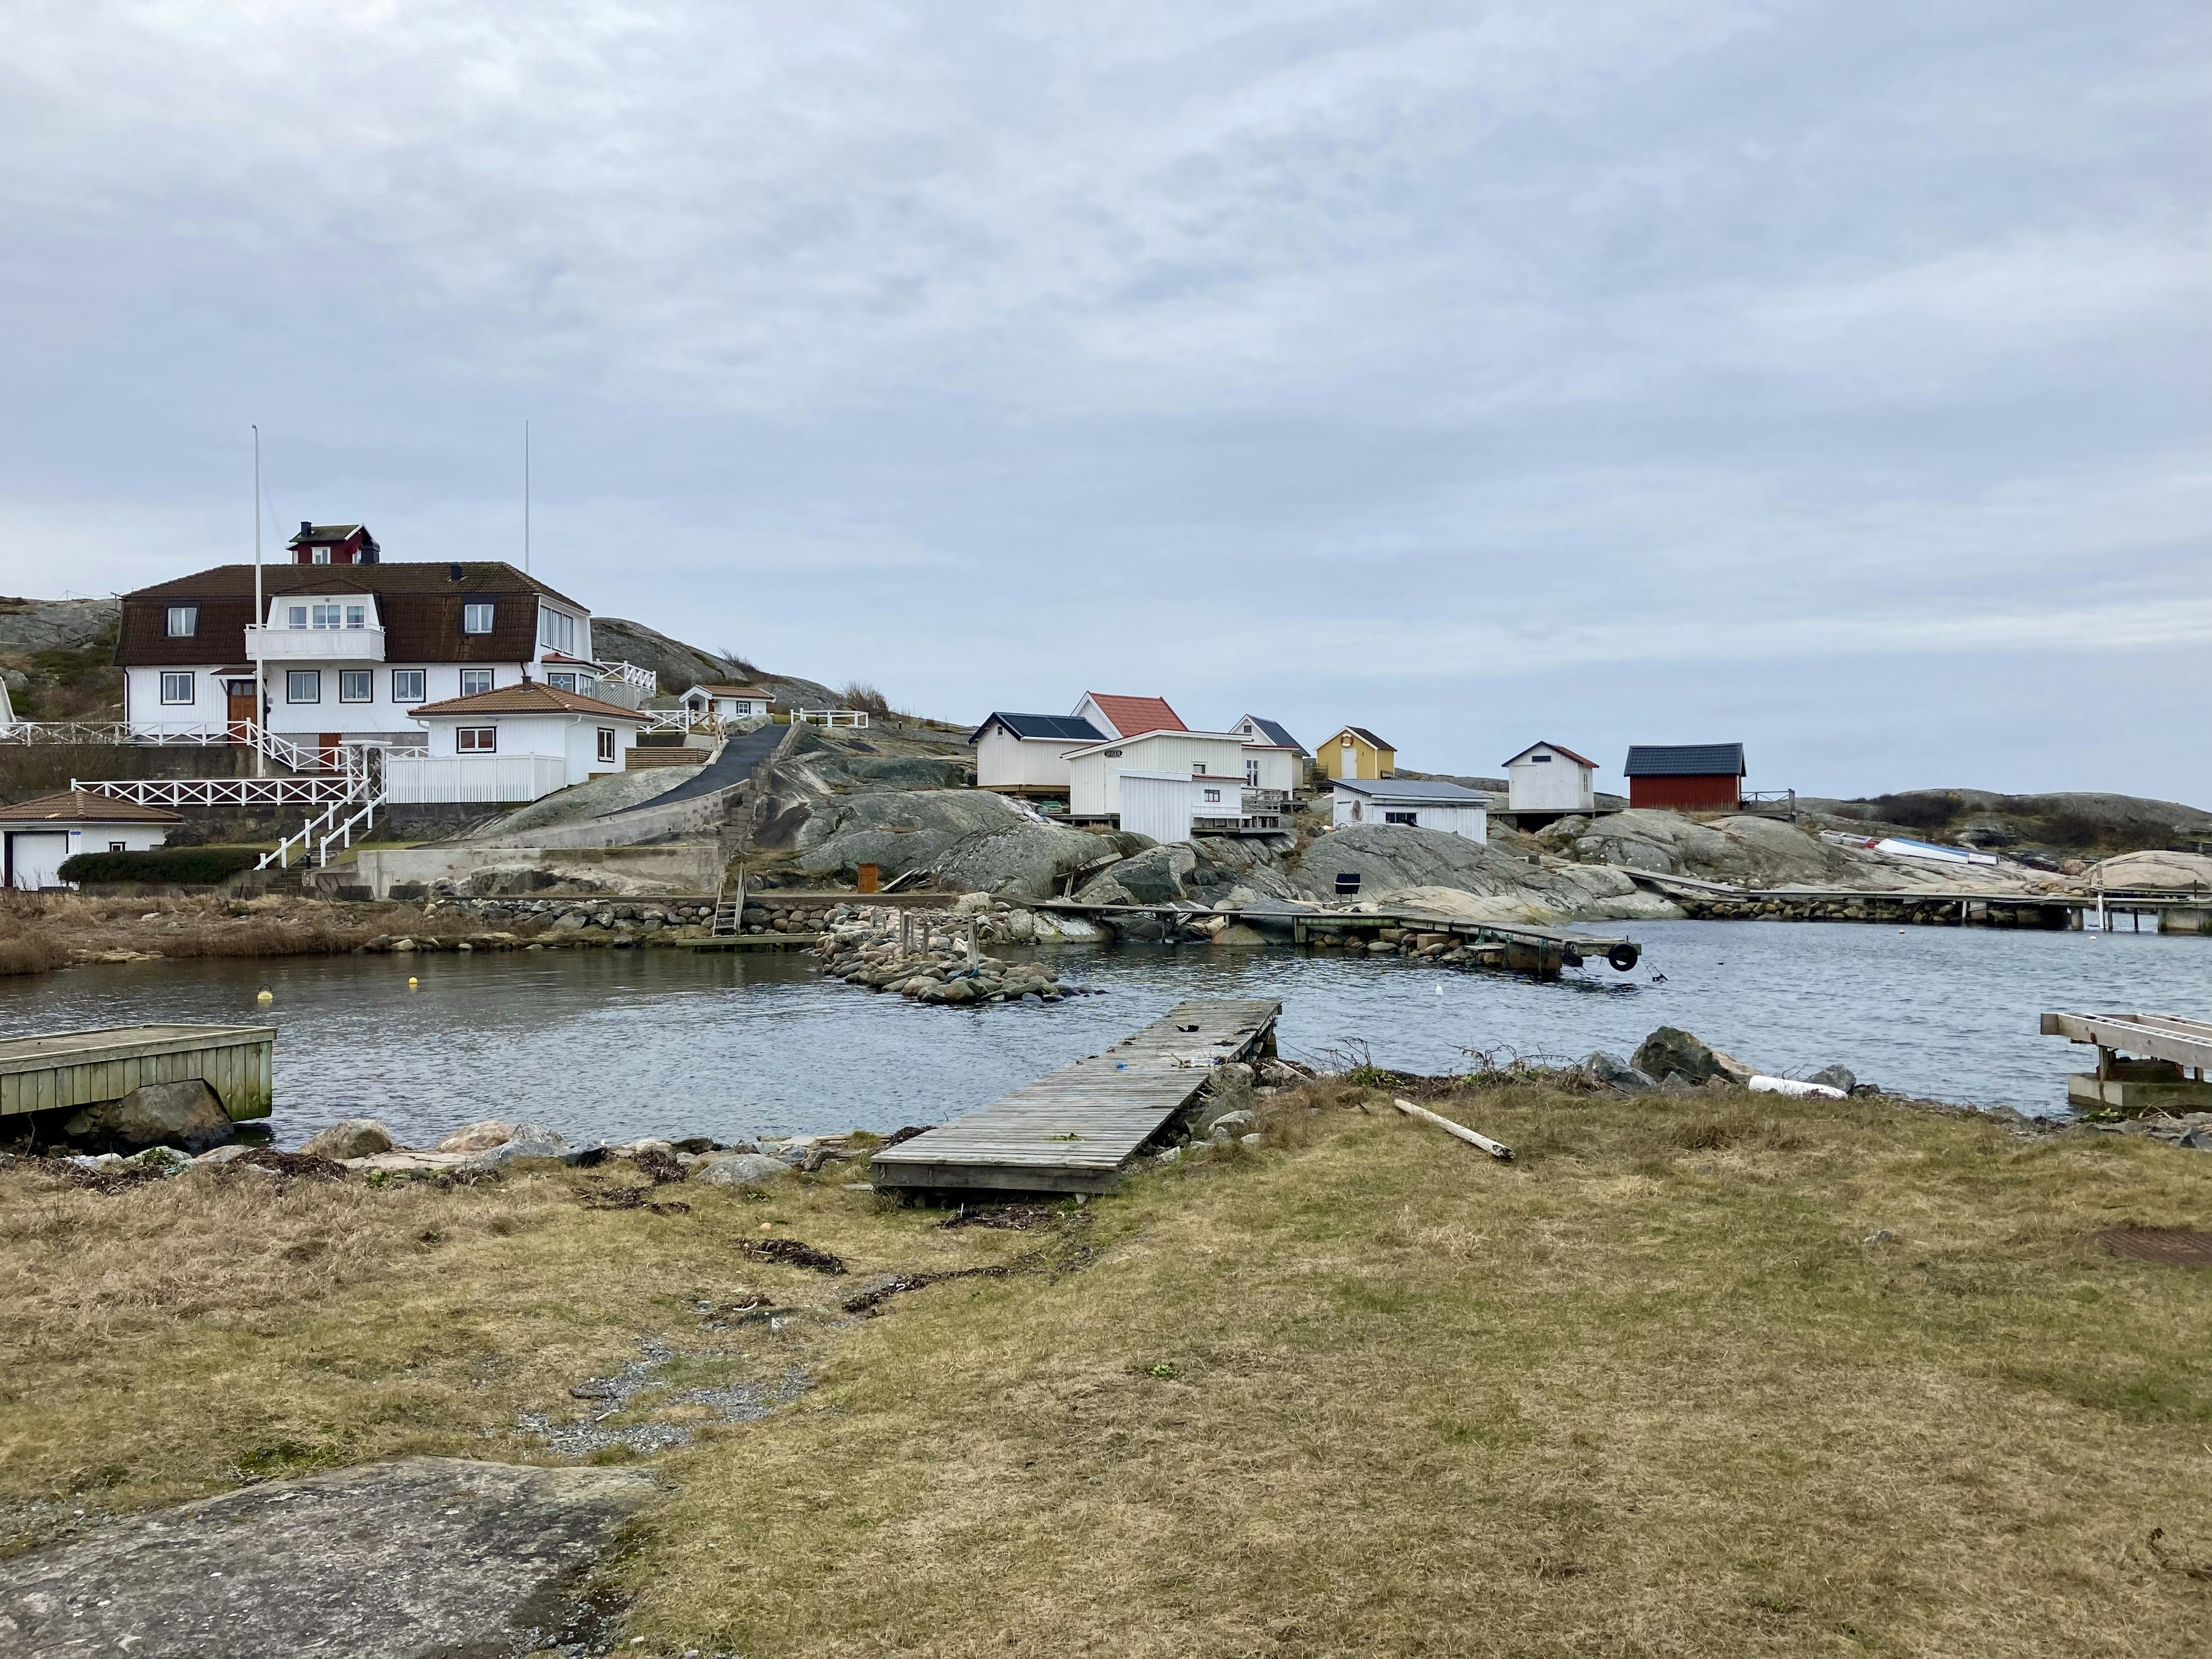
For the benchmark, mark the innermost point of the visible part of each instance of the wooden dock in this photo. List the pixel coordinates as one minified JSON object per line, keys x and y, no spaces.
{"x":2167,"y":1048}
{"x":83,"y":1068}
{"x":1076,"y":1130}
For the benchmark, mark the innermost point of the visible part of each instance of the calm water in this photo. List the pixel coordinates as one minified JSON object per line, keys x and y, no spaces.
{"x":615,"y":1044}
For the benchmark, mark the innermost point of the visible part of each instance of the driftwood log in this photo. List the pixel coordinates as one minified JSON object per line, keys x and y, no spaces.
{"x":1497,"y":1149}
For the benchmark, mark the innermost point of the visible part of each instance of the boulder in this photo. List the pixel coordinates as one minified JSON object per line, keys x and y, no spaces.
{"x":478,"y":1137}
{"x":1669,"y":1052}
{"x":353,"y":1137}
{"x":739,"y":1169}
{"x":1836,"y":1077}
{"x":1615,"y":1072}
{"x":529,"y":1141}
{"x":1231,"y":1123}
{"x":185,"y":1113}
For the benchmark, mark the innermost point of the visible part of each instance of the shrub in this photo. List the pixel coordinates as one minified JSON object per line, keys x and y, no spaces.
{"x":185,"y":867}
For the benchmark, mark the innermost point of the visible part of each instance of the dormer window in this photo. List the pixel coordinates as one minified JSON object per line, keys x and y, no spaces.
{"x":320,"y":555}
{"x":184,"y":621}
{"x":326,"y":616}
{"x":476,"y":618}
{"x":357,"y":616}
{"x":296,"y":616}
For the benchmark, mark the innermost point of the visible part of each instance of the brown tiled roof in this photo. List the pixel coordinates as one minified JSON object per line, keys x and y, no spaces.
{"x":82,"y":806}
{"x":1131,"y":715}
{"x":533,"y":698}
{"x":420,"y":605}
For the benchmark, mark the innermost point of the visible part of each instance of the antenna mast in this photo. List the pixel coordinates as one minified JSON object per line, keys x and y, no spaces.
{"x":526,"y":498}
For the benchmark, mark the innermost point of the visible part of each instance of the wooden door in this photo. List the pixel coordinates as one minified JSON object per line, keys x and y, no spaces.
{"x":328,"y":746}
{"x":241,"y":713}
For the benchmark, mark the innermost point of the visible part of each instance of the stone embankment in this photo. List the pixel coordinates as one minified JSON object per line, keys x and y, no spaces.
{"x":1906,"y":909}
{"x":938,"y":958}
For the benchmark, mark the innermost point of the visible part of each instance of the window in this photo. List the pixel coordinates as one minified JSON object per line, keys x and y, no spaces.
{"x":184,"y":621}
{"x":476,"y":740}
{"x":320,"y":556}
{"x":1213,"y":794}
{"x":474,"y":680}
{"x":607,"y":744}
{"x":1252,"y":770}
{"x":356,"y":684}
{"x":303,"y":685}
{"x":178,"y":688}
{"x":476,"y":619}
{"x":562,"y":682}
{"x":297,"y":616}
{"x":118,"y":846}
{"x":557,"y":629}
{"x":1402,"y":818}
{"x":325,"y":616}
{"x":1538,"y":760}
{"x":406,"y":685}
{"x":357,"y":616}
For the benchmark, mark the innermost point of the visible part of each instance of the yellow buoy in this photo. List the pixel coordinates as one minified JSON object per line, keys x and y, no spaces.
{"x":264,"y":994}
{"x":412,"y":982}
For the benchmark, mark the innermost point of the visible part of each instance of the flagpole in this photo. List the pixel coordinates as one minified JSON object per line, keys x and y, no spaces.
{"x":260,"y":621}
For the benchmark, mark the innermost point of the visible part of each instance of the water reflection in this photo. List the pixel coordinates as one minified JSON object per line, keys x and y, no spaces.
{"x":620,"y":1044}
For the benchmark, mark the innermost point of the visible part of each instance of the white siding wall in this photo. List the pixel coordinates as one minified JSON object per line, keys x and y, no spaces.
{"x":1279,"y":769}
{"x":1473,"y":822}
{"x":1095,"y":789}
{"x":1559,"y":785}
{"x":1005,"y":762}
{"x":1159,"y":804}
{"x":211,"y":706}
{"x":35,"y":856}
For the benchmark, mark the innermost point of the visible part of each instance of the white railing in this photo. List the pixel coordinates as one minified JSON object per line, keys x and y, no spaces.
{"x":220,"y":792}
{"x":411,"y":780}
{"x":305,"y":835}
{"x":361,"y":818}
{"x":194,"y":734}
{"x":853,"y":717}
{"x":683,"y":721}
{"x":646,"y":680}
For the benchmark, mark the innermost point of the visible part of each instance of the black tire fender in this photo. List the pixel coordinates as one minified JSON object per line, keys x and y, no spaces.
{"x":1623,"y":956}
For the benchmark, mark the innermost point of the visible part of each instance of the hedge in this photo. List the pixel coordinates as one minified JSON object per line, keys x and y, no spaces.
{"x":183,"y":866}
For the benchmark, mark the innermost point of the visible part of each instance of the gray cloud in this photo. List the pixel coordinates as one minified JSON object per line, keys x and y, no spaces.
{"x":1470,"y":371}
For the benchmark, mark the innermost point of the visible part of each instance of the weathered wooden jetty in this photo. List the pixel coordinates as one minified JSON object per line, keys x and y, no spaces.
{"x":1076,"y":1130}
{"x":84,"y":1068}
{"x":2167,"y":1049}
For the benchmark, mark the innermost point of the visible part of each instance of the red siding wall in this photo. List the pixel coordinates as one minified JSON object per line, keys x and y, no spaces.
{"x":1706,"y":794}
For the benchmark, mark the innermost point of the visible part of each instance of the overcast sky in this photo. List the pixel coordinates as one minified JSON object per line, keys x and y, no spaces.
{"x":1832,"y":376}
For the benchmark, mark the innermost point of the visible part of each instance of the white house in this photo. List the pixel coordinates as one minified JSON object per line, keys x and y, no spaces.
{"x":513,"y":744}
{"x":347,"y":648}
{"x":1027,"y":754}
{"x":1414,"y":803}
{"x":36,"y":836}
{"x":1273,"y":759}
{"x":1549,"y":777}
{"x":727,"y":702}
{"x":1214,"y":759}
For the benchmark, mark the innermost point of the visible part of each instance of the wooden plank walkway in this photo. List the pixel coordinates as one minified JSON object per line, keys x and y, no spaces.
{"x":81,"y":1068}
{"x":1075,"y":1130}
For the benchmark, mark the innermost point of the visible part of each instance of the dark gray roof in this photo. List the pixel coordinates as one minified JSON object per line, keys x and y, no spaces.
{"x":1442,"y":794}
{"x":1066,"y":729}
{"x":1276,"y":734}
{"x":1684,"y":760}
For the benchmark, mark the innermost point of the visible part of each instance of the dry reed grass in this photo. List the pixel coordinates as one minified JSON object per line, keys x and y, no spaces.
{"x":1649,"y":1390}
{"x":42,"y":930}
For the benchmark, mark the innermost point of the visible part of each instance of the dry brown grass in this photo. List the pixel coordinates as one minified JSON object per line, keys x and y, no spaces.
{"x":39,"y":931}
{"x":1649,"y":1390}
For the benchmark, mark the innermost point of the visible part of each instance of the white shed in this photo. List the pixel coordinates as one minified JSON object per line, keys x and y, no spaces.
{"x":37,"y":836}
{"x":1549,"y":777}
{"x":1161,"y":805}
{"x":728,"y":702}
{"x":1027,"y":754}
{"x":1415,"y":803}
{"x":1215,"y":759}
{"x":513,"y":745}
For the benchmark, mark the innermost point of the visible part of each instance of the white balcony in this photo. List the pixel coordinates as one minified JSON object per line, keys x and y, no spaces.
{"x":314,"y":645}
